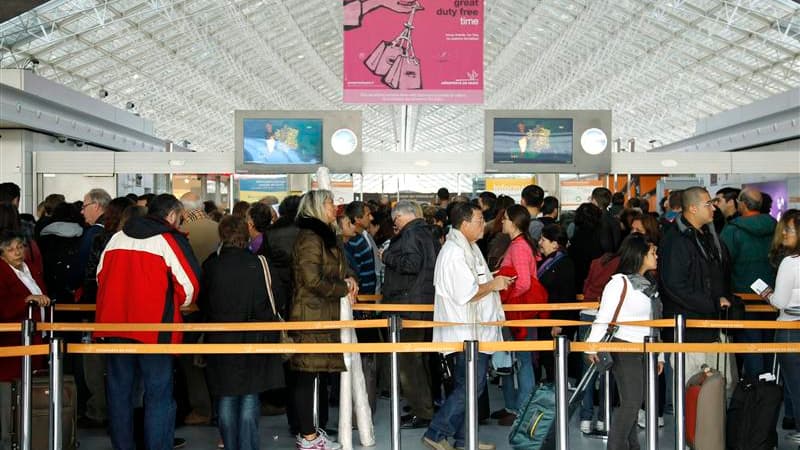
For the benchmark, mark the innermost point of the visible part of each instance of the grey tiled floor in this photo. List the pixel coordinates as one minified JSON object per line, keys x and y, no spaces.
{"x":275,"y":435}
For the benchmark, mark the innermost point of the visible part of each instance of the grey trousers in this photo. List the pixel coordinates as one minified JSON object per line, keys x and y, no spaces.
{"x":629,"y":374}
{"x":94,"y":371}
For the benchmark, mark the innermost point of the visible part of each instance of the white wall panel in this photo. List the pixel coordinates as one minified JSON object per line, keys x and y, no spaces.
{"x":99,"y":163}
{"x":178,"y":162}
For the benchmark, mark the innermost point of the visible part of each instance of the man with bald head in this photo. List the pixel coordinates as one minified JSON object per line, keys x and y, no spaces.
{"x":748,"y":238}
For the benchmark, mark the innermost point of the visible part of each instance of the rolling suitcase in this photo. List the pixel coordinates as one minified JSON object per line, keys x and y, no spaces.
{"x":753,"y":413}
{"x":705,"y":410}
{"x":10,"y":421}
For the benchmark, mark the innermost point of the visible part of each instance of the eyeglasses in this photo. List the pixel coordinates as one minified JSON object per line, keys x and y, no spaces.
{"x":789,"y":230}
{"x":86,"y":205}
{"x":708,"y":204}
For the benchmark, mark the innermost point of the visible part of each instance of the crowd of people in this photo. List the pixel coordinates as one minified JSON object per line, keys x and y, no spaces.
{"x":141,"y":259}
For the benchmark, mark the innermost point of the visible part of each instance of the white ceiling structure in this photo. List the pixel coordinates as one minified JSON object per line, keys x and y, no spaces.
{"x":188,"y":64}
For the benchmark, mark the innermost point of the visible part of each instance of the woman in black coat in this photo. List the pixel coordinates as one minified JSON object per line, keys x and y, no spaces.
{"x":234,"y":290}
{"x":557,"y":274}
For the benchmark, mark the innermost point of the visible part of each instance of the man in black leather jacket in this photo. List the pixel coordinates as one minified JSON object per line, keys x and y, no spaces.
{"x":409,"y":262}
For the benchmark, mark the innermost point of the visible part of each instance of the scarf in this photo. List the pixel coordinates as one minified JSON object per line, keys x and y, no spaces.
{"x":549,"y":262}
{"x":648,"y":288}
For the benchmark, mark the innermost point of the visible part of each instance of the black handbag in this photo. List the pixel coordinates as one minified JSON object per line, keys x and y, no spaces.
{"x":604,"y":359}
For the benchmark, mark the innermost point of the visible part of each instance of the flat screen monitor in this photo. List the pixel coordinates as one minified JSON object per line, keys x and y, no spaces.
{"x":280,"y":141}
{"x":532,"y":140}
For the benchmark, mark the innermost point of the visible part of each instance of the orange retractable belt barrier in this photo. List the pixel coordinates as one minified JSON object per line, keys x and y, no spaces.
{"x":403,"y":347}
{"x":23,"y":350}
{"x":10,"y":327}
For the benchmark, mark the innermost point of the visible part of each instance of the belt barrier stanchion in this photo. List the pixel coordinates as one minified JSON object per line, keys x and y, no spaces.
{"x":315,"y":405}
{"x":471,"y":427}
{"x":607,"y":402}
{"x":56,"y":392}
{"x":395,"y":324}
{"x":651,"y":401}
{"x":562,"y":416}
{"x":28,"y":330}
{"x":679,"y":375}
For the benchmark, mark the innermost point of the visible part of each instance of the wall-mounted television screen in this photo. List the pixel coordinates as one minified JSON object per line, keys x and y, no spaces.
{"x":282,"y":141}
{"x":532,"y":141}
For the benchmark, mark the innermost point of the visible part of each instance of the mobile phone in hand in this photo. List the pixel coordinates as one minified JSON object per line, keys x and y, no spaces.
{"x":761,"y":288}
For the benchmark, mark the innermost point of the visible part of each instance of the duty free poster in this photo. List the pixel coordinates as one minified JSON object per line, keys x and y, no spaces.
{"x":413,"y":51}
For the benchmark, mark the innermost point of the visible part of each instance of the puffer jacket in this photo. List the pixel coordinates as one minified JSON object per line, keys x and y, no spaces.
{"x":408,"y":266}
{"x":319,"y":268}
{"x":748,"y":240}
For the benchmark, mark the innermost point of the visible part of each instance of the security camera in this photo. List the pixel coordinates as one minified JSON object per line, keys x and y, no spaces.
{"x":79,"y":143}
{"x":61,"y":139}
{"x":102,"y":93}
{"x":34,"y":61}
{"x":130,"y":105}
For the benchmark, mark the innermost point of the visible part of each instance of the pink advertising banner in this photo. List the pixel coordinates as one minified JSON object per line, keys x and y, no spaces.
{"x":413,"y":51}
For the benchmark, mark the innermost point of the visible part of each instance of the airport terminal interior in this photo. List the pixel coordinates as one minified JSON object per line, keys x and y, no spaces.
{"x":460,"y":165}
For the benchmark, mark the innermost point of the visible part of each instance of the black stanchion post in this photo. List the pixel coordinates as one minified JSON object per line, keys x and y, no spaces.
{"x":28,"y":329}
{"x":562,"y":405}
{"x":56,"y":392}
{"x":471,"y":426}
{"x":395,"y":324}
{"x":679,"y":375}
{"x":651,"y":401}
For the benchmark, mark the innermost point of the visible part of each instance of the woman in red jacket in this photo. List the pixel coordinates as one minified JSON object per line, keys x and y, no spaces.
{"x":19,"y":286}
{"x":519,"y":261}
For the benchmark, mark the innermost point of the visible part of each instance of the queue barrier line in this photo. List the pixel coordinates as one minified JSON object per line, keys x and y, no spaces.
{"x":765,"y":347}
{"x":10,"y":327}
{"x":216,"y":326}
{"x":24,"y":350}
{"x":614,"y":347}
{"x":282,"y":348}
{"x":745,"y":324}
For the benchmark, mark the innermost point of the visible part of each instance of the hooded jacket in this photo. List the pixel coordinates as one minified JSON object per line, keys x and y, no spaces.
{"x":748,"y":240}
{"x":693,"y":277}
{"x":59,"y":243}
{"x":146,"y":273}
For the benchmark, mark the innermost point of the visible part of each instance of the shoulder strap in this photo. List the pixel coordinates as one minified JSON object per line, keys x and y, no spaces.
{"x":613,"y":322}
{"x":268,"y":281}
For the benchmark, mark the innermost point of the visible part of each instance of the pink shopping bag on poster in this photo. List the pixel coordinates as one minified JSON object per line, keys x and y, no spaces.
{"x":404,"y":74}
{"x":381,"y":59}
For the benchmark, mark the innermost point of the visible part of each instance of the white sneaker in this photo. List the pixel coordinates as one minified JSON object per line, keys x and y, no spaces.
{"x":600,"y":426}
{"x":321,"y":442}
{"x":586,"y":426}
{"x":642,"y":421}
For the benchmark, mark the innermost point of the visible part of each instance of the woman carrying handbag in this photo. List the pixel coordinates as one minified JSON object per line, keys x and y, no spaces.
{"x":629,"y":296}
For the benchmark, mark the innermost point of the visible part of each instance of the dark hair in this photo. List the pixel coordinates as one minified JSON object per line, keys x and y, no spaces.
{"x":628,"y":215}
{"x":766,"y":203}
{"x":240,"y":209}
{"x":112,"y":216}
{"x":729,"y":193}
{"x":504,"y":202}
{"x":355,"y":210}
{"x":443,"y":194}
{"x":261,"y":216}
{"x":651,"y":228}
{"x":440,"y":215}
{"x":533,"y":195}
{"x":601,"y":196}
{"x":131,"y":212}
{"x":209,"y":206}
{"x":588,"y":216}
{"x":233,"y":232}
{"x":9,"y":218}
{"x":632,"y":252}
{"x":462,"y":212}
{"x":132,"y":197}
{"x":163,"y":204}
{"x":51,"y":201}
{"x":634,"y":202}
{"x":549,"y":205}
{"x":8,"y":192}
{"x":147,"y":198}
{"x":556,"y":233}
{"x":618,"y":198}
{"x":489,"y":199}
{"x":67,"y":212}
{"x":289,"y":206}
{"x":675,"y":199}
{"x":521,"y":218}
{"x":691,"y":196}
{"x":437,"y":232}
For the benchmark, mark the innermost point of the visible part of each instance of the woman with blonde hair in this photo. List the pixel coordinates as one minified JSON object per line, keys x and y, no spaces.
{"x":321,"y":278}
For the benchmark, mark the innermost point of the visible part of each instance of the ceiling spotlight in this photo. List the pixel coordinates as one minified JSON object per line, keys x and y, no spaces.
{"x":102,"y":93}
{"x":34,"y":61}
{"x":130,"y":106}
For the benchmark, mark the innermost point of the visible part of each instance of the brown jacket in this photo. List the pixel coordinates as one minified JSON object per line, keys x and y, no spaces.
{"x":319,"y":268}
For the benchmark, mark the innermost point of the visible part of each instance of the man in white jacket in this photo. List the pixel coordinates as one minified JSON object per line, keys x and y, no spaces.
{"x":466,"y":293}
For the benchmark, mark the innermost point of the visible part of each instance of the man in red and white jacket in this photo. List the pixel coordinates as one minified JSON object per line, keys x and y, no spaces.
{"x":146,"y":273}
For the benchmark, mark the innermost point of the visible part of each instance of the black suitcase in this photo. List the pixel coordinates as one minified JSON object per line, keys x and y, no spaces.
{"x":753,"y":415}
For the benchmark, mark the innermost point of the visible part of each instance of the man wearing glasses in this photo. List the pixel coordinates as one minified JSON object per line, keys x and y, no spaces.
{"x":693,"y":267}
{"x":95,"y":203}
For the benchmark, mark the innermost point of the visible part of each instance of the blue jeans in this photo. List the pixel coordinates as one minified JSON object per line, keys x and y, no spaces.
{"x":159,"y":406}
{"x":238,"y":417}
{"x":790,"y":368}
{"x":755,"y":363}
{"x":515,"y":398}
{"x":449,"y":420}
